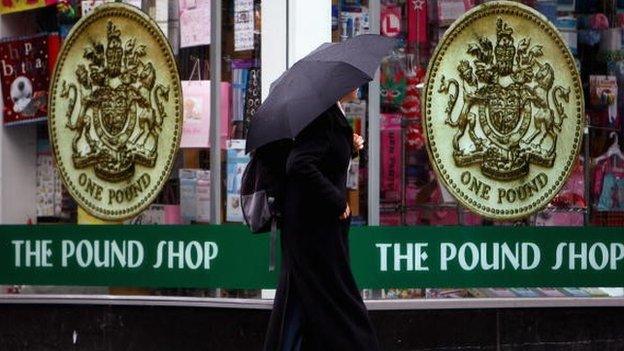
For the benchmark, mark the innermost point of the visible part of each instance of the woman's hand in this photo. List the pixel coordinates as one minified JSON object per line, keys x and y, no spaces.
{"x":358,"y":142}
{"x":346,"y":213}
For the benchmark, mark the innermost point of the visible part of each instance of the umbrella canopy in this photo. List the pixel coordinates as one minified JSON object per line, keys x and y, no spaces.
{"x":313,"y":84}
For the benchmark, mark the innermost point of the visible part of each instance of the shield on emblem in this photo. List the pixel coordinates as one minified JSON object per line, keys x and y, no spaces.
{"x":504,"y":108}
{"x":114,"y":110}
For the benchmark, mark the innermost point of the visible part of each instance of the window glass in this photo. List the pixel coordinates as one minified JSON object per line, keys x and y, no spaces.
{"x":411,"y":194}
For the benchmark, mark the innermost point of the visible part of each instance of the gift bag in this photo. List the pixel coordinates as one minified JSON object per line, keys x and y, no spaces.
{"x":196,"y":123}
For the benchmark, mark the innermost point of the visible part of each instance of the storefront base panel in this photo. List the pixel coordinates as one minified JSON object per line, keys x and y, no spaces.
{"x":117,"y":327}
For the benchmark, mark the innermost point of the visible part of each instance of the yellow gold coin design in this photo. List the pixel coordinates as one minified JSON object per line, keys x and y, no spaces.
{"x":115,"y":116}
{"x":503,"y":110}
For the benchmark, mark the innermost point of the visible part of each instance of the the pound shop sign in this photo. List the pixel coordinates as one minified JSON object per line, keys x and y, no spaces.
{"x":382,"y":257}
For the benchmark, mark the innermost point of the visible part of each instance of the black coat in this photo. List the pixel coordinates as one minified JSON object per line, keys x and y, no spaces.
{"x":315,"y":250}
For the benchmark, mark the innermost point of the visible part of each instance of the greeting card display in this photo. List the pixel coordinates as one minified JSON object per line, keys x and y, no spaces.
{"x":243,"y":25}
{"x":194,"y":23}
{"x":26,"y":66}
{"x":236,"y":162}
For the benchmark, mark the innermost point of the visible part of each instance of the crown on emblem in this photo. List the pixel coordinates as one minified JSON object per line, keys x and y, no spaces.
{"x":112,"y":33}
{"x":502,"y":29}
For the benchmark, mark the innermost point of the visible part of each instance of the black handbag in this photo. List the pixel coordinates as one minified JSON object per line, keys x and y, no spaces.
{"x":262,"y":190}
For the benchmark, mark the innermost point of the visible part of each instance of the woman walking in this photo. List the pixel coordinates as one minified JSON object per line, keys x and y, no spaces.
{"x":318,"y":305}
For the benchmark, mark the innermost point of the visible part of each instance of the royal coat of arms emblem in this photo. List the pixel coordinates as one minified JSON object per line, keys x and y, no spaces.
{"x":115,"y":117}
{"x":503,"y":110}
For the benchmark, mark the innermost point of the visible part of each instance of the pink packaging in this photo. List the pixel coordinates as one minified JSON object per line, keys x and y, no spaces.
{"x":172,"y":214}
{"x":391,"y":164}
{"x":196,"y":124}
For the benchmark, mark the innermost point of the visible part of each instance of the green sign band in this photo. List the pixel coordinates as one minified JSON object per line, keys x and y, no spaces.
{"x":228,"y":256}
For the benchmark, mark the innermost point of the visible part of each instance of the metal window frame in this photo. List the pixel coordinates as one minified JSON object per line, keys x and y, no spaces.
{"x":215,"y":112}
{"x":267,"y":304}
{"x":374,"y":155}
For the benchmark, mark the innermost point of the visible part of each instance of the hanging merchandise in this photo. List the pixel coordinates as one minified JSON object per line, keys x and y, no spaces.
{"x":239,"y":89}
{"x":411,"y":104}
{"x":237,"y":160}
{"x":390,"y":20}
{"x":391,"y":165}
{"x":451,"y":10}
{"x":26,"y":67}
{"x":616,"y":68}
{"x":243,"y":25}
{"x":10,"y":6}
{"x":603,"y":91}
{"x":253,"y":97}
{"x":417,"y":21}
{"x":393,"y":83}
{"x":196,"y":124}
{"x":609,"y":178}
{"x":194,"y":23}
{"x":241,"y":74}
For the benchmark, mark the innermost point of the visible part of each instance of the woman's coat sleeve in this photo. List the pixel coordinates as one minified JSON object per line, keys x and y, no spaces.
{"x":304,"y":162}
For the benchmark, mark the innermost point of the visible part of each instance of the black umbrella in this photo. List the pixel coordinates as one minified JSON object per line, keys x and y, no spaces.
{"x":313,"y":84}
